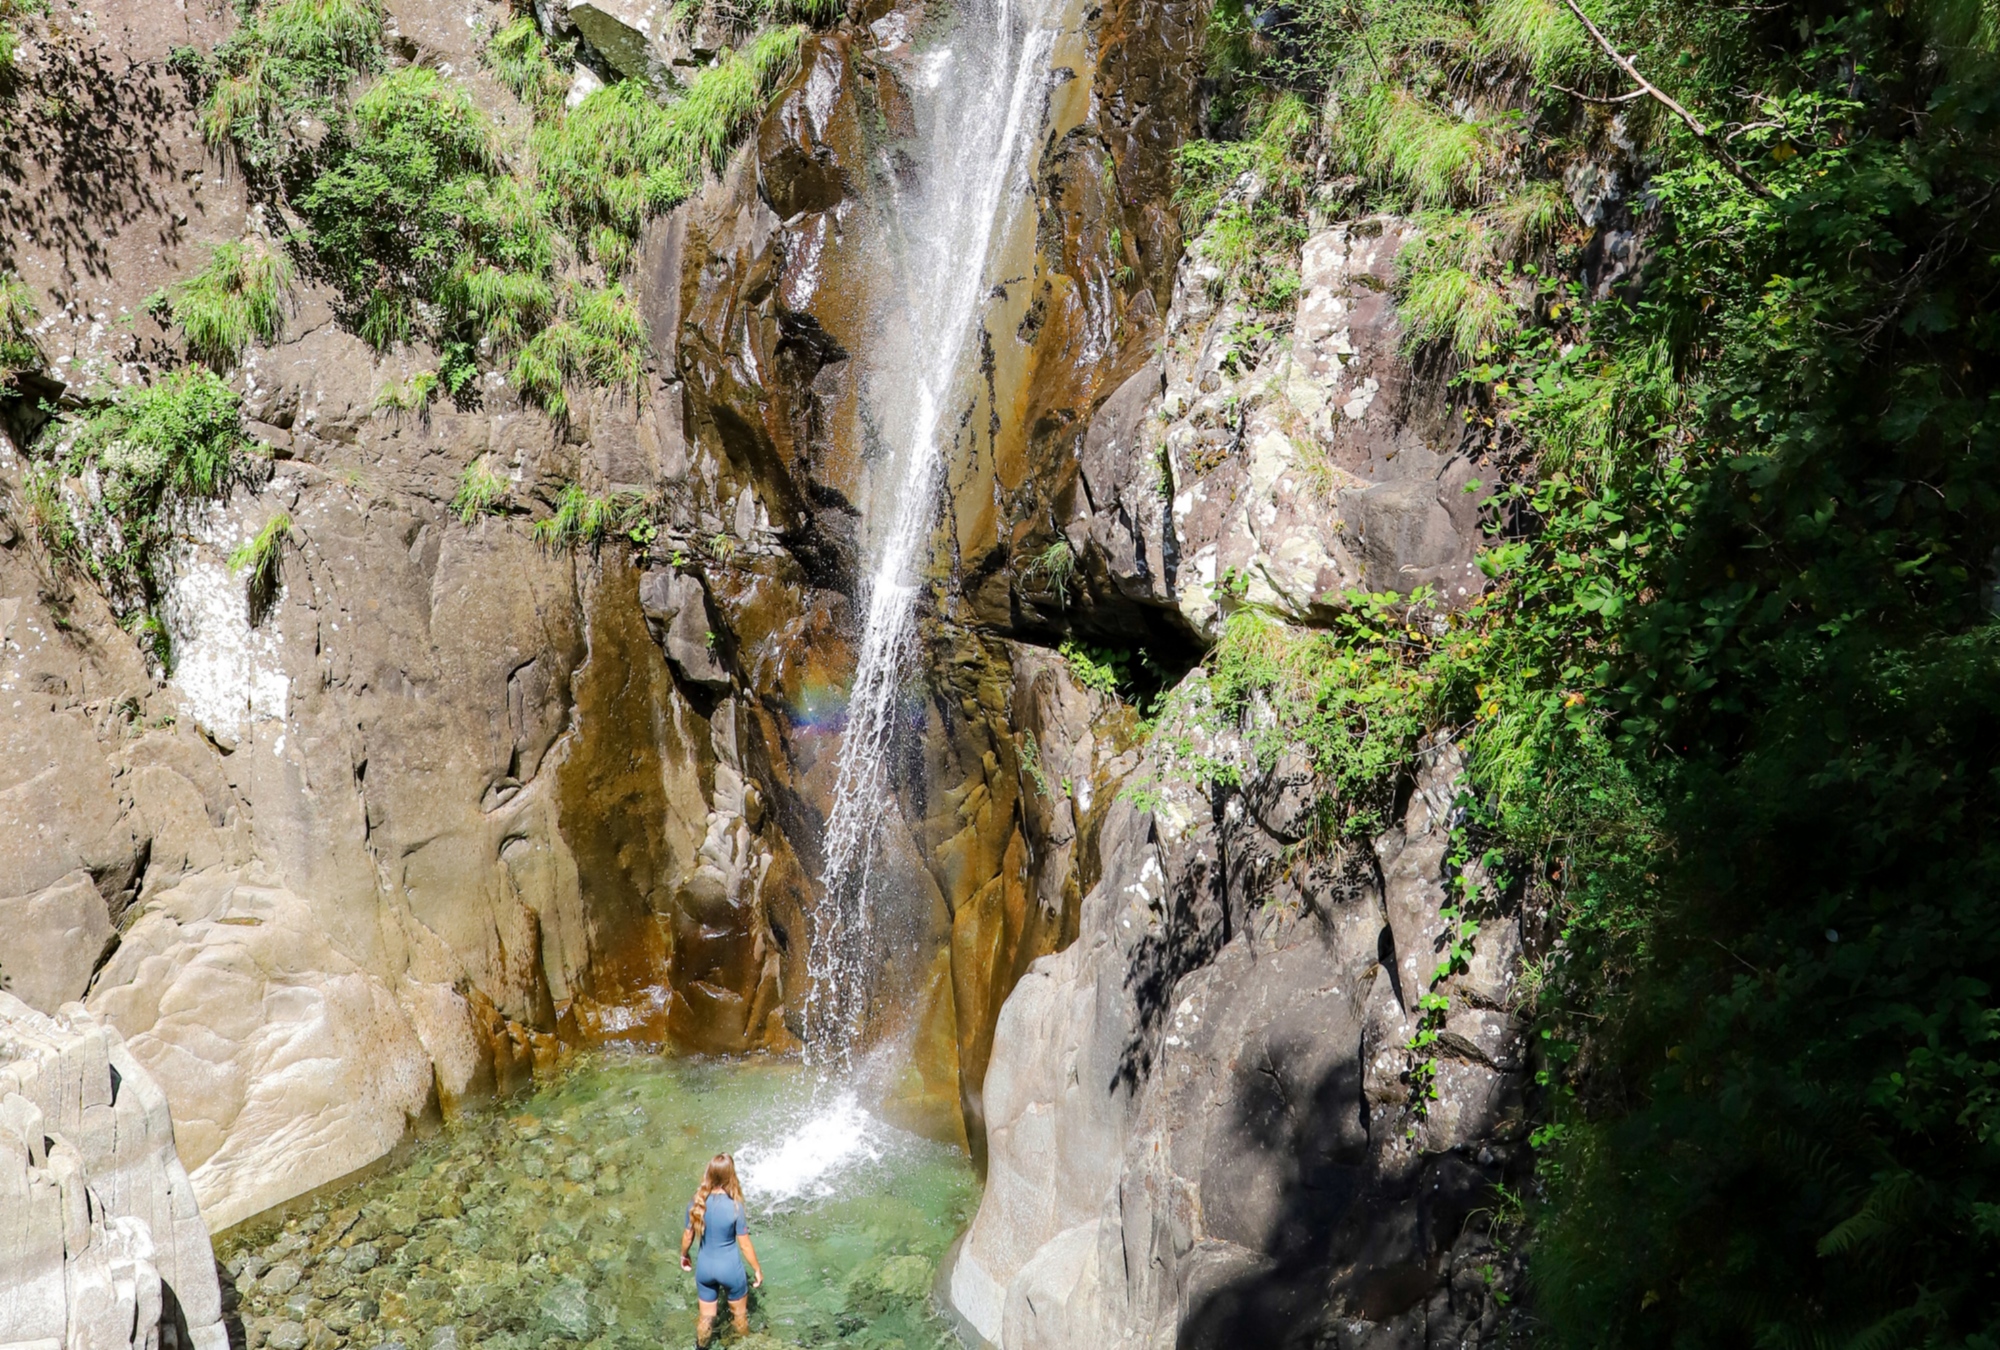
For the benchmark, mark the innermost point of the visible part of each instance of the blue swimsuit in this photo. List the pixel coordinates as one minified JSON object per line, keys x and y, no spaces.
{"x":718,"y":1265}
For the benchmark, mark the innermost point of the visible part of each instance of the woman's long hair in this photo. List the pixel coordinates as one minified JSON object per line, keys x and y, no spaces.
{"x":721,"y":1176}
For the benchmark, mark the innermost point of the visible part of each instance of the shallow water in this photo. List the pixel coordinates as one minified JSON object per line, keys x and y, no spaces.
{"x":554,"y":1222}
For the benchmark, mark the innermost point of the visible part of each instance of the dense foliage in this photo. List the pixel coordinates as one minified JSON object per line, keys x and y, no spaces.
{"x":114,"y":495}
{"x":1730,"y":702}
{"x":429,"y":225}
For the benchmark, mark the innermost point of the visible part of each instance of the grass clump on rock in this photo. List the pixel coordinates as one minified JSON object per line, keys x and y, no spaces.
{"x":260,"y":556}
{"x":294,"y":60}
{"x":110,"y":497}
{"x":238,"y":298}
{"x":621,"y":155}
{"x":19,"y":351}
{"x":482,"y":490}
{"x":428,"y":230}
{"x":584,"y":519}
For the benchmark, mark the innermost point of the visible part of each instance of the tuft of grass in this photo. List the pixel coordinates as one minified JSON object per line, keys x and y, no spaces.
{"x":262,"y":556}
{"x":599,"y":340}
{"x":481,"y":491}
{"x":20,"y":352}
{"x":1055,"y":566}
{"x":238,"y":298}
{"x":413,"y":396}
{"x":291,"y":60}
{"x":585,"y":520}
{"x":621,"y":156}
{"x":522,"y":60}
{"x":1433,"y":157}
{"x":1454,"y":306}
{"x":1526,"y":219}
{"x":1541,"y":35}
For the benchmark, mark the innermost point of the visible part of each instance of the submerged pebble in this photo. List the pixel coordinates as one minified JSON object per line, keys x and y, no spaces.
{"x":556,"y":1225}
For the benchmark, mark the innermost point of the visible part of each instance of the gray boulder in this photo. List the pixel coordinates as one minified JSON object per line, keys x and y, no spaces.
{"x":1199,"y":1121}
{"x":100,"y":1236}
{"x":676,"y":608}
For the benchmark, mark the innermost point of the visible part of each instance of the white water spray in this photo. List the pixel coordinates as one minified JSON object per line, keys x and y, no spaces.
{"x":982,"y":105}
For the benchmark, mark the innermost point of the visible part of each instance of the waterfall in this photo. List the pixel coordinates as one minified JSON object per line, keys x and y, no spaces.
{"x":979,"y":100}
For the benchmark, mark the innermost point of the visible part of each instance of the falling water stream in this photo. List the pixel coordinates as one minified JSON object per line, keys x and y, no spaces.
{"x":556,"y":1222}
{"x":980,"y":95}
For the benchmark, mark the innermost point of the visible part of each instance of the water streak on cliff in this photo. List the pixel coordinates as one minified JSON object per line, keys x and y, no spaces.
{"x":977,"y":93}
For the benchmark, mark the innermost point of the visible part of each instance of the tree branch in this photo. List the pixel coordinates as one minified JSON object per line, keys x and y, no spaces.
{"x":1646,"y":86}
{"x":1598,"y":98}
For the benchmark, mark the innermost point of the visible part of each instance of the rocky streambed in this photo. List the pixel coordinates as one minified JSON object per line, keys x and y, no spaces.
{"x":555,"y":1221}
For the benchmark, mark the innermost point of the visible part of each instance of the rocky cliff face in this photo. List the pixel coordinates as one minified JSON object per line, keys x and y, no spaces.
{"x":1201,"y":1122}
{"x":452,"y":799}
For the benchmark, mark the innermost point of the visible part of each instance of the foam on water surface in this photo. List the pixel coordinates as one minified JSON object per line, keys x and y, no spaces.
{"x":813,"y":1159}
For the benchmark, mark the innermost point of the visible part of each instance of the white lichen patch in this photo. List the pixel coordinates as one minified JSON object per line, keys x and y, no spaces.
{"x":227,"y":673}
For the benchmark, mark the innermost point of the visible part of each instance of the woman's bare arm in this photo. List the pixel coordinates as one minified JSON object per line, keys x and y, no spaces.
{"x":687,"y":1240}
{"x":750,"y":1255}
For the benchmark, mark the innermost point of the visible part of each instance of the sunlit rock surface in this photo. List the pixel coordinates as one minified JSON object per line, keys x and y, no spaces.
{"x":101,"y":1242}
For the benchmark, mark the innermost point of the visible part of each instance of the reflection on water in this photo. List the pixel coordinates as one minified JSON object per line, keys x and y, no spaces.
{"x":555,"y":1223}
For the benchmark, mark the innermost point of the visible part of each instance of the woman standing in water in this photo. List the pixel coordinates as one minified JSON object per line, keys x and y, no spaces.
{"x":721,"y":1244}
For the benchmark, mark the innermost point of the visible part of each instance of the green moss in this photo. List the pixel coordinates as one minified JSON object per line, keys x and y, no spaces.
{"x":238,"y":298}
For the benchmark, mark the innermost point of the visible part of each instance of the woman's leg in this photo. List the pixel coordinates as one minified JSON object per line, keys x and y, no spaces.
{"x":704,"y":1322}
{"x":739,"y":1312}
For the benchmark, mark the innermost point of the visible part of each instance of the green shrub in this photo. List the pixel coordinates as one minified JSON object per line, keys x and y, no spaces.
{"x":291,"y":60}
{"x":150,"y":452}
{"x":402,"y":207}
{"x":239,"y":297}
{"x":20,"y":352}
{"x":414,"y":215}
